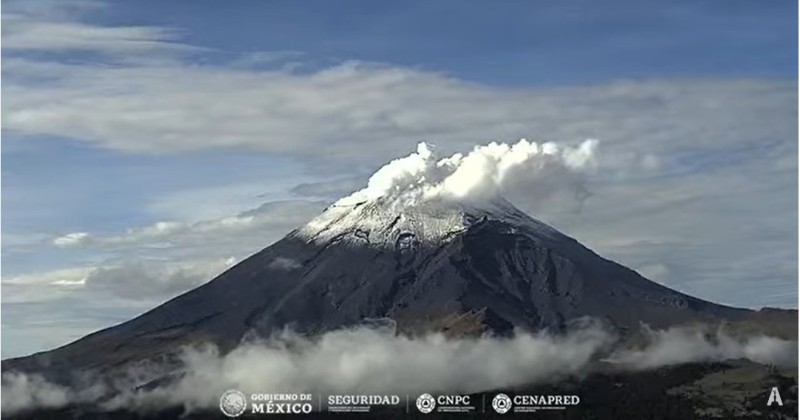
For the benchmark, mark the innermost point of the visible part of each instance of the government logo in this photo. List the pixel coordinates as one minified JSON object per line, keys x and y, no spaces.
{"x":233,"y":403}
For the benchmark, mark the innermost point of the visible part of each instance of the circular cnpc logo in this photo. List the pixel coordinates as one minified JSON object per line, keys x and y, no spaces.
{"x":426,"y":403}
{"x":233,"y":403}
{"x":501,"y":403}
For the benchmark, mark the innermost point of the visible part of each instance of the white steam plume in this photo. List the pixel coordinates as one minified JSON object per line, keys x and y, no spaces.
{"x":367,"y":360}
{"x":478,"y":175}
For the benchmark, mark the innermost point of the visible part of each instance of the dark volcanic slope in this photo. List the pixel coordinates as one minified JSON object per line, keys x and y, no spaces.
{"x":496,"y":271}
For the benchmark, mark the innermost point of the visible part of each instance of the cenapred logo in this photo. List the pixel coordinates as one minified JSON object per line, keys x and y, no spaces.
{"x":501,"y":403}
{"x":233,"y":403}
{"x":426,"y":403}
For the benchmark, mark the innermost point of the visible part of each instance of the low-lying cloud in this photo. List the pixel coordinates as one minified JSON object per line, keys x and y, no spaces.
{"x":695,"y":344}
{"x":370,"y":360}
{"x":32,"y":391}
{"x":283,"y":263}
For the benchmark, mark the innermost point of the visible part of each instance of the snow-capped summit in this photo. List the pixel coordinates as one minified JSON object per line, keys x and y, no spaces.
{"x":380,"y":222}
{"x":433,"y":198}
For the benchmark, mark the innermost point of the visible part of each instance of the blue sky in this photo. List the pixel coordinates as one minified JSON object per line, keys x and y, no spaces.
{"x":517,"y":43}
{"x":172,"y":135}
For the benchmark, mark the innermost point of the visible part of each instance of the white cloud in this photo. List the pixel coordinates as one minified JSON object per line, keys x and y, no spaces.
{"x":53,"y":10}
{"x":261,"y":225}
{"x":387,"y":107}
{"x":64,"y":276}
{"x":142,"y":279}
{"x":345,"y":361}
{"x":145,"y":280}
{"x":334,"y":111}
{"x":208,"y":202}
{"x":284,"y":263}
{"x":43,"y":286}
{"x":23,"y":34}
{"x":330,"y":189}
{"x":695,"y":344}
{"x":26,"y":391}
{"x":53,"y":26}
{"x":477,"y":176}
{"x":154,"y":232}
{"x":70,"y":239}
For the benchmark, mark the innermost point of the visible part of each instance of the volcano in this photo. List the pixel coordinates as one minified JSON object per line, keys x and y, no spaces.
{"x":425,"y":267}
{"x":399,"y":252}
